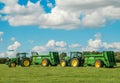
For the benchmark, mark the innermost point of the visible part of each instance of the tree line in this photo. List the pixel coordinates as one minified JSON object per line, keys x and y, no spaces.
{"x":117,"y":56}
{"x":3,"y":60}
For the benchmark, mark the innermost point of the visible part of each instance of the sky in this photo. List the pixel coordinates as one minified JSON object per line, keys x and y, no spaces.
{"x":59,"y":25}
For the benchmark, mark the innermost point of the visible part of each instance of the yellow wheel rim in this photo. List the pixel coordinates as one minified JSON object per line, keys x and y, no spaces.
{"x":62,"y":63}
{"x":12,"y":64}
{"x":44,"y":62}
{"x":26,"y":63}
{"x":97,"y":64}
{"x":74,"y":63}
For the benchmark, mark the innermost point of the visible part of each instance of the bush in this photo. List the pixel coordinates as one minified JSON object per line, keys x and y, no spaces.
{"x":117,"y":56}
{"x":3,"y":60}
{"x":62,"y":55}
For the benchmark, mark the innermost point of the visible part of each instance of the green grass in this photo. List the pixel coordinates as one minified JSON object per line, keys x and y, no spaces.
{"x":37,"y":74}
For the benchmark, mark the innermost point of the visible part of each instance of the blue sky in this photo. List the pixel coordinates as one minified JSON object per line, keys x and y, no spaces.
{"x":55,"y":25}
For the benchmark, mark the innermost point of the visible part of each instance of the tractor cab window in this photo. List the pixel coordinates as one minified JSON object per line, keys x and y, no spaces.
{"x":73,"y":55}
{"x":17,"y":55}
{"x":76,"y":54}
{"x":79,"y":54}
{"x":23,"y":55}
{"x":34,"y":53}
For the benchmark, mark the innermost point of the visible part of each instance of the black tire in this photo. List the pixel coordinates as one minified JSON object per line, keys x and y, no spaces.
{"x":110,"y":67}
{"x":53,"y":64}
{"x":45,"y":62}
{"x":98,"y":64}
{"x":63,"y":63}
{"x":75,"y":62}
{"x":12,"y":64}
{"x":26,"y":63}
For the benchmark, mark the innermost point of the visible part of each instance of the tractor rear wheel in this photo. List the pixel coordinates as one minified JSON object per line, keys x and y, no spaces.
{"x":63,"y":63}
{"x":98,"y":63}
{"x":45,"y":62}
{"x":12,"y":64}
{"x":26,"y":63}
{"x":75,"y":62}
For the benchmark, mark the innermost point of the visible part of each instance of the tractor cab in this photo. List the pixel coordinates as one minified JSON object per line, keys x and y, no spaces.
{"x":75,"y":54}
{"x":21,"y":55}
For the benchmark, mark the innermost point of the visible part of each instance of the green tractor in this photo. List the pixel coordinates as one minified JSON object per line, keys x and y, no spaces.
{"x":96,"y":59}
{"x":75,"y":59}
{"x":45,"y":60}
{"x":21,"y":59}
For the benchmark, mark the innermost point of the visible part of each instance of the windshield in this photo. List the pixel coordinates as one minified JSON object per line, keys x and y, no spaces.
{"x":21,"y":54}
{"x":76,"y":54}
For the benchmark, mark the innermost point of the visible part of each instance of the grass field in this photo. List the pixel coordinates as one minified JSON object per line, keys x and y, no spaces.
{"x":37,"y":74}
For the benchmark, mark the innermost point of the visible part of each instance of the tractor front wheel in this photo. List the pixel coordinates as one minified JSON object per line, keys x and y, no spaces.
{"x":45,"y":62}
{"x":63,"y":63}
{"x":25,"y":63}
{"x":75,"y":62}
{"x":12,"y":64}
{"x":98,"y":63}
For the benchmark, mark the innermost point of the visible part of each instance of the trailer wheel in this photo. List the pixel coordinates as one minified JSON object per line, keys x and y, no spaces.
{"x":63,"y":63}
{"x":26,"y":63}
{"x":45,"y":62}
{"x":75,"y":62}
{"x":12,"y":64}
{"x":98,"y":63}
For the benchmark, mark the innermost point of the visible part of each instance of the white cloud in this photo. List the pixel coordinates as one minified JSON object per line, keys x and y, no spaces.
{"x":75,"y":45}
{"x":25,"y":15}
{"x":14,"y":46}
{"x":1,"y":33}
{"x":7,"y":54}
{"x":0,"y":16}
{"x":1,"y":39}
{"x":59,"y":19}
{"x":65,"y":15}
{"x":12,"y":7}
{"x":50,"y":5}
{"x":61,"y":43}
{"x":111,"y":12}
{"x":114,"y":45}
{"x":93,"y":20}
{"x":13,"y":39}
{"x":2,"y":54}
{"x":40,"y":49}
{"x":51,"y":45}
{"x":93,"y":45}
{"x":97,"y":36}
{"x":10,"y":54}
{"x":31,"y":41}
{"x":98,"y":45}
{"x":88,"y":48}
